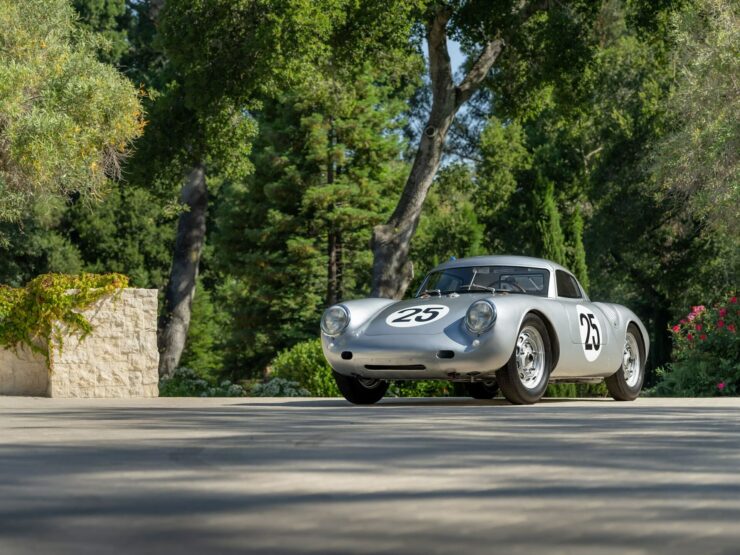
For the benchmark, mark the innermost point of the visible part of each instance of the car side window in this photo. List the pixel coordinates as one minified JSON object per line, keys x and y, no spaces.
{"x":567,"y":285}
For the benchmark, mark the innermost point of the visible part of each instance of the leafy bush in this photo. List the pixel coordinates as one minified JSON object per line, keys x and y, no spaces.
{"x":304,"y":363}
{"x":706,"y":354}
{"x":279,"y":387}
{"x":187,"y":383}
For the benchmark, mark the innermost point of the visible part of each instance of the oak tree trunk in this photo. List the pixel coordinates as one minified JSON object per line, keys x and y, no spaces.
{"x":191,"y":233}
{"x":392,"y":269}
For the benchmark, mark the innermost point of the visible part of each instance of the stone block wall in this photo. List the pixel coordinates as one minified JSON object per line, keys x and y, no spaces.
{"x":118,"y":359}
{"x":23,"y":372}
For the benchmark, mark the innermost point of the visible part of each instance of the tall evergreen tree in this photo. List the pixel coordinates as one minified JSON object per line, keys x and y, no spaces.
{"x":548,"y":226}
{"x":327,"y":161}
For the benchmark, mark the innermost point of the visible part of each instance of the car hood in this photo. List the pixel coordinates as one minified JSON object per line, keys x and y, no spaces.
{"x":455,"y":306}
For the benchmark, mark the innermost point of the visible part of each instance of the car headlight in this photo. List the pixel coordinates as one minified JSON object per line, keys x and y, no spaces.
{"x":480,"y":316}
{"x":335,"y":320}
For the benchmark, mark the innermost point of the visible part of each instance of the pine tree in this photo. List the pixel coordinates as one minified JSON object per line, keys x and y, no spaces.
{"x":296,"y":234}
{"x":553,"y":239}
{"x":576,"y":250}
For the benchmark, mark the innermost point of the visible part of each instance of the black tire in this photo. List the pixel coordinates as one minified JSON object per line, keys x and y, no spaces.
{"x":508,"y":377}
{"x":482,"y":390}
{"x":358,"y":393}
{"x":617,"y":384}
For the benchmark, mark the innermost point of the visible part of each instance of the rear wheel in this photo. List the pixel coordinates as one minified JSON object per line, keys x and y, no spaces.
{"x":523,"y":380}
{"x":626,"y":384}
{"x":482,"y":390}
{"x":360,"y":391}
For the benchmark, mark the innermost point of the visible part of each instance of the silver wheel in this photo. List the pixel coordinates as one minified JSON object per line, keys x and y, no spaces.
{"x":631,"y":361}
{"x":530,"y":357}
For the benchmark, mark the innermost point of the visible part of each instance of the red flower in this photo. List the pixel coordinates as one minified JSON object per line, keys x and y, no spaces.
{"x":733,"y":300}
{"x":692,"y":316}
{"x":721,"y":385}
{"x":731,"y":327}
{"x":698,"y":327}
{"x":676,"y":329}
{"x":720,"y":323}
{"x":697,"y":309}
{"x":690,"y":337}
{"x":684,"y":321}
{"x":723,"y":312}
{"x":702,"y":337}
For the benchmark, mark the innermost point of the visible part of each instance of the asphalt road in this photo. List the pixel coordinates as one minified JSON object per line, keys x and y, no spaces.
{"x":407,"y":476}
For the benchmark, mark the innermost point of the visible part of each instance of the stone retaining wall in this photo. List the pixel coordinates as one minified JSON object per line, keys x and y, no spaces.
{"x":118,"y":359}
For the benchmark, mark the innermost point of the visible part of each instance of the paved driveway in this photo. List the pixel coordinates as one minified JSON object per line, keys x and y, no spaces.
{"x":406,"y":476}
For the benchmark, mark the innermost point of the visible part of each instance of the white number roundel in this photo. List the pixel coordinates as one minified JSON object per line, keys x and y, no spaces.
{"x":591,"y":335}
{"x":412,"y":316}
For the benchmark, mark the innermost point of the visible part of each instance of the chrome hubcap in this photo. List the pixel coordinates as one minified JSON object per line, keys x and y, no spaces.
{"x":530,"y":357}
{"x":631,"y":361}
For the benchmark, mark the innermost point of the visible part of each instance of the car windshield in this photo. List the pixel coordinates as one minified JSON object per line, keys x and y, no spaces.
{"x":477,"y":279}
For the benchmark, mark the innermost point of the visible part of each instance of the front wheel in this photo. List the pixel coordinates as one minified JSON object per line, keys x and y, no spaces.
{"x":626,"y":384}
{"x":360,"y":391}
{"x":524,"y":379}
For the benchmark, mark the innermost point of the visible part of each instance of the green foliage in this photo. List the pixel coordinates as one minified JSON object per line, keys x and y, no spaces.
{"x":304,"y":363}
{"x":553,"y":239}
{"x":706,"y":353}
{"x":327,"y":162}
{"x":279,"y":387}
{"x":128,"y":232}
{"x":576,"y":390}
{"x":576,"y":252}
{"x":185,"y":382}
{"x":67,"y":119}
{"x":422,"y":388}
{"x":103,"y":17}
{"x":32,"y":315}
{"x":203,"y":351}
{"x":38,"y":247}
{"x":698,"y":159}
{"x":449,"y":225}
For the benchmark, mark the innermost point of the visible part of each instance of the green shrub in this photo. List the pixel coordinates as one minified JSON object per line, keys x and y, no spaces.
{"x":187,"y":383}
{"x":279,"y":387}
{"x":304,"y":363}
{"x":706,"y":353}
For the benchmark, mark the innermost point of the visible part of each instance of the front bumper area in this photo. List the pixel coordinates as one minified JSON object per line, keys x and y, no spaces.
{"x":438,"y":356}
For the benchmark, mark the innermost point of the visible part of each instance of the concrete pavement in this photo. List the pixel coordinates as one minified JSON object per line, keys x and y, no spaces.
{"x":423,"y":476}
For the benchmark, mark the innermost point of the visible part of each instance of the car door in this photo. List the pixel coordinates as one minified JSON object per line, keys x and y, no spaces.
{"x":587,"y":328}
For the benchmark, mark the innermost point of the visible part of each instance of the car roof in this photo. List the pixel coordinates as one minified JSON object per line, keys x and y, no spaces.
{"x":501,"y":260}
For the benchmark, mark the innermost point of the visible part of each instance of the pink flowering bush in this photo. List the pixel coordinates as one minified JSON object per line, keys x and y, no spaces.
{"x":706,"y":353}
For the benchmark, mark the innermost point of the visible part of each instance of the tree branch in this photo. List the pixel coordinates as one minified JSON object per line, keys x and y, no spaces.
{"x":478,"y":72}
{"x":440,"y":69}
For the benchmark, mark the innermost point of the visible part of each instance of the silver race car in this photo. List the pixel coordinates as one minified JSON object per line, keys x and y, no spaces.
{"x":509,"y":322}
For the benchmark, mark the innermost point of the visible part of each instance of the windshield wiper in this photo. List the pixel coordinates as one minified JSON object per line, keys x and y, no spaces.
{"x":470,"y":286}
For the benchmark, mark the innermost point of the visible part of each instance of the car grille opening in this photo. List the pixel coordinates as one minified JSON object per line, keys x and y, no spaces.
{"x":445,"y":354}
{"x":395,"y":367}
{"x":346,"y":355}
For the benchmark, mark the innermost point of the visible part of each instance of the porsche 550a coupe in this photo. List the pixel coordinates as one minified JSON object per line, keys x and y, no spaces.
{"x":508,"y":323}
